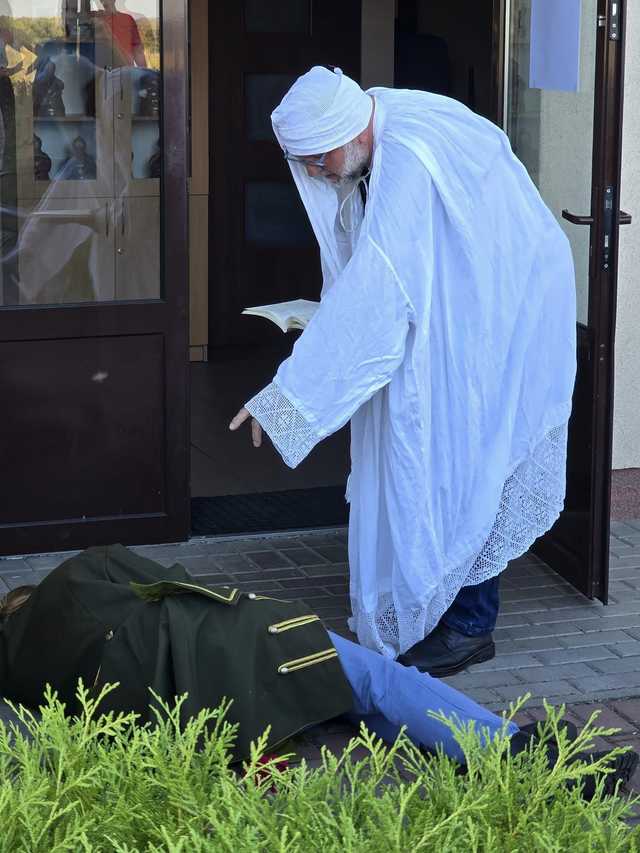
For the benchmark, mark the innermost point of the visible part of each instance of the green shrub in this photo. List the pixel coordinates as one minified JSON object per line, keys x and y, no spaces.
{"x":102,"y":783}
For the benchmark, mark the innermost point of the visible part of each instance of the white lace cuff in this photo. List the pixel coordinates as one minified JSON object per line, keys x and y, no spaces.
{"x":292,"y":436}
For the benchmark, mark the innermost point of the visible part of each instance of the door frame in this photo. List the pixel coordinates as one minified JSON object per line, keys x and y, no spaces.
{"x":167,"y":316}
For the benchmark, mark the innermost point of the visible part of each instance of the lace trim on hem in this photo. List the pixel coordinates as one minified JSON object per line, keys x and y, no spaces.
{"x":532,"y":499}
{"x":292,"y":436}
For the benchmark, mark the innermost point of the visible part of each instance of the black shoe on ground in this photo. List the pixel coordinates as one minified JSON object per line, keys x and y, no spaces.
{"x":535,"y":730}
{"x":445,"y":652}
{"x":622,"y":767}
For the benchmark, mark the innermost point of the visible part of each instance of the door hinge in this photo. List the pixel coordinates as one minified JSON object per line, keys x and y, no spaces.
{"x":608,"y":221}
{"x":614,"y":20}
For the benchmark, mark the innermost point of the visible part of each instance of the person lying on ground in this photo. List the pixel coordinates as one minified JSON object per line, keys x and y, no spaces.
{"x":111,"y":616}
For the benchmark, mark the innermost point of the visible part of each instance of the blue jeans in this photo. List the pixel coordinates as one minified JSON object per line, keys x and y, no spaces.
{"x":387,"y":695}
{"x":475,"y":609}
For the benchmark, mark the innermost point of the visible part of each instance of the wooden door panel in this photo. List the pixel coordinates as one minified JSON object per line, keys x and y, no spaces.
{"x":83,"y":425}
{"x":262,"y":247}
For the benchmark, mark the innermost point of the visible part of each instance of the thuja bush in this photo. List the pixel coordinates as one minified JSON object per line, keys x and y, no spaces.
{"x":103,"y":783}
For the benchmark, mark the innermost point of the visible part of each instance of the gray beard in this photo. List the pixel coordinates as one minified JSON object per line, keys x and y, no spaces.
{"x":356,"y":159}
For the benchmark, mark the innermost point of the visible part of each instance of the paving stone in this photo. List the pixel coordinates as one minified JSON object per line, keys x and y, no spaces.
{"x":285,"y":575}
{"x":549,"y":629}
{"x":548,"y":689}
{"x":608,"y":718}
{"x":507,"y":662}
{"x":303,"y":588}
{"x":11,"y":581}
{"x":511,"y":620}
{"x":606,"y":623}
{"x":464,"y":681}
{"x":219,"y":547}
{"x":485,"y":696}
{"x":619,"y":528}
{"x":624,"y":650}
{"x":305,"y":557}
{"x":47,"y":561}
{"x":629,"y":664}
{"x":630,"y":710}
{"x":201,"y":565}
{"x":332,"y":610}
{"x":598,"y":638}
{"x":320,"y":540}
{"x":529,"y":608}
{"x":12,"y":567}
{"x":234,"y":564}
{"x":596,"y":685}
{"x":333,"y":553}
{"x":337,"y":589}
{"x":568,"y":614}
{"x":540,"y":674}
{"x":586,"y":653}
{"x":326,"y":569}
{"x":268,"y":559}
{"x":538,"y":644}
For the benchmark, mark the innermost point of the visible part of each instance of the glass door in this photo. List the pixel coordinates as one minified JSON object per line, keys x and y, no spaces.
{"x":93,"y":348}
{"x":563,"y":114}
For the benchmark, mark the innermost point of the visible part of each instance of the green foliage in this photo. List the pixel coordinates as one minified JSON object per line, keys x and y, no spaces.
{"x":102,"y":783}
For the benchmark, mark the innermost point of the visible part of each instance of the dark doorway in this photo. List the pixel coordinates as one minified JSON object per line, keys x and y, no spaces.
{"x":261,"y":247}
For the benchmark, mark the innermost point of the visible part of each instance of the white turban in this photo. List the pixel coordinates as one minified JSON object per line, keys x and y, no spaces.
{"x":323,"y":110}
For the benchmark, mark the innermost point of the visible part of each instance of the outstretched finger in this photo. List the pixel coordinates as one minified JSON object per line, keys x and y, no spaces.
{"x":239,"y":419}
{"x":256,"y":433}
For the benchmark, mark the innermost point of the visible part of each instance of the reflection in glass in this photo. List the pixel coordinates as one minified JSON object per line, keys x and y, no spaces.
{"x":80,"y":151}
{"x":552,"y":134}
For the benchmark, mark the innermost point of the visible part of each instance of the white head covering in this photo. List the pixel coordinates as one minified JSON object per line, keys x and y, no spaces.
{"x":323,"y":110}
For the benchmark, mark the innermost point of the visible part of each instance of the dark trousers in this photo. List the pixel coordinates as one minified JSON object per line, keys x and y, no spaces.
{"x":475,"y":609}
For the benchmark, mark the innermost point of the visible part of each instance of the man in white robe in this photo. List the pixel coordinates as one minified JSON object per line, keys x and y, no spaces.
{"x":446,"y":336}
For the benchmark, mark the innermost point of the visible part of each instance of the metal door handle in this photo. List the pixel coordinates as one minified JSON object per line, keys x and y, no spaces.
{"x":624,"y":218}
{"x":577,"y":220}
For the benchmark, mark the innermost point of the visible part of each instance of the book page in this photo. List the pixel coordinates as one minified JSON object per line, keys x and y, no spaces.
{"x":294,"y":314}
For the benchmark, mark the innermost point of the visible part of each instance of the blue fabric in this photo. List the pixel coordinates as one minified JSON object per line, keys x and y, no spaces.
{"x":387,"y":695}
{"x":475,"y":608}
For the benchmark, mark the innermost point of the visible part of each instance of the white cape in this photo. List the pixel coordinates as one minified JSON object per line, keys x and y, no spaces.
{"x":446,"y":333}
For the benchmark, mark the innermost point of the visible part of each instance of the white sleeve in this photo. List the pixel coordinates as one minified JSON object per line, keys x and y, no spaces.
{"x":348,"y":352}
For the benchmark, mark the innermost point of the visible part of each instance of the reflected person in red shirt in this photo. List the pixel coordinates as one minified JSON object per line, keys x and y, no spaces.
{"x":123,"y":28}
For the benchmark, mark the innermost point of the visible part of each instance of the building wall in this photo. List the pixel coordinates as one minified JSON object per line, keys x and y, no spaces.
{"x":626,"y":433}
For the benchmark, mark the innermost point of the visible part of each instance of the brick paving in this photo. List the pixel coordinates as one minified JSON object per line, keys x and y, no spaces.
{"x":551,"y":641}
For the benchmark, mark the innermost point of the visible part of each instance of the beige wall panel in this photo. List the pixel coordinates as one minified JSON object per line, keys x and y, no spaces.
{"x":199,"y":270}
{"x":199,"y":97}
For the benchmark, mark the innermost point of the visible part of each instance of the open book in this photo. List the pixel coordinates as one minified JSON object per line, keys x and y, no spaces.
{"x":286,"y":315}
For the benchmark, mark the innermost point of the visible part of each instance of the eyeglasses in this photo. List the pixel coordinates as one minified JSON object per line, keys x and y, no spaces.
{"x":294,"y":158}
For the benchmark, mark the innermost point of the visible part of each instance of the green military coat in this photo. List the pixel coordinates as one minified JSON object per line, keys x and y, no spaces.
{"x":109,"y":615}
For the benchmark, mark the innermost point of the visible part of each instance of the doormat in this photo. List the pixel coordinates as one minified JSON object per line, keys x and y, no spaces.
{"x":266,"y":512}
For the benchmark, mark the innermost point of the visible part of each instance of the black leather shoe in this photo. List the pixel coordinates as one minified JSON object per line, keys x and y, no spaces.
{"x":445,"y":652}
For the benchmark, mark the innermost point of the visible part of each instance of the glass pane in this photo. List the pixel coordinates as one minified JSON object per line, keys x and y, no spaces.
{"x":275,"y":216}
{"x":552,"y":133}
{"x":277,"y":16}
{"x":263,"y":93}
{"x":80,"y":139}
